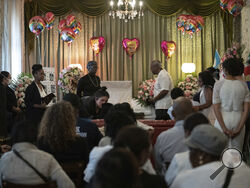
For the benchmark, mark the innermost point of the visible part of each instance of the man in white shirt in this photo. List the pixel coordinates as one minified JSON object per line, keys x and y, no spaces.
{"x":162,"y":88}
{"x":180,"y":161}
{"x":170,"y":142}
{"x":207,"y":144}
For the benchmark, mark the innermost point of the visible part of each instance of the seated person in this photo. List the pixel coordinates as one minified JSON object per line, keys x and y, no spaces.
{"x":92,"y":106}
{"x":84,"y":127}
{"x":14,"y":170}
{"x":117,"y":168}
{"x":181,"y":161}
{"x":170,"y":142}
{"x":175,"y":93}
{"x":139,"y":143}
{"x":57,"y":134}
{"x":114,"y":122}
{"x":206,"y":145}
{"x":126,"y":108}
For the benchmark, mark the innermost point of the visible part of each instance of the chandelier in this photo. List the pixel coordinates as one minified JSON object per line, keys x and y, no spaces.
{"x":125,"y":9}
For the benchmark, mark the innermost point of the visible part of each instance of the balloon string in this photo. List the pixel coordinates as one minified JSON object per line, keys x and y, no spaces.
{"x":39,"y":50}
{"x":69,"y":55}
{"x":45,"y":48}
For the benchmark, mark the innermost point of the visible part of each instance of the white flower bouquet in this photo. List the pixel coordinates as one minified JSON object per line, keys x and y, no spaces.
{"x":20,"y":85}
{"x":68,"y":79}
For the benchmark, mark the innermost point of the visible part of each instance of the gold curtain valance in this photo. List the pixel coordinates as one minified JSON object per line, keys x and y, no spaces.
{"x":160,"y":7}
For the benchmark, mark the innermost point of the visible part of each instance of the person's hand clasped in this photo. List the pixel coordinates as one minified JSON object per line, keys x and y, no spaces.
{"x":235,"y":133}
{"x":151,"y":101}
{"x":18,"y":109}
{"x":227,"y":132}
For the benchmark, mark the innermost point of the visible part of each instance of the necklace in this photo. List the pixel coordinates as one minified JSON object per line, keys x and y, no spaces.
{"x":95,"y":85}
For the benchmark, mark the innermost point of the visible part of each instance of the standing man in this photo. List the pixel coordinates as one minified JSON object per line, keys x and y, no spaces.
{"x":90,"y":83}
{"x":162,"y":88}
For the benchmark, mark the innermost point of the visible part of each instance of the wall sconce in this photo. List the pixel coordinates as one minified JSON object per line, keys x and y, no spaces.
{"x":188,"y":68}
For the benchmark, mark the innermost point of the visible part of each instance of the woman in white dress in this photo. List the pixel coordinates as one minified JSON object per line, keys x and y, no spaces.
{"x":206,"y":83}
{"x":231,"y":100}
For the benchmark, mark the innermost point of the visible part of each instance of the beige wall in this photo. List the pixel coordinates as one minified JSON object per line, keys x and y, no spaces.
{"x":245,"y":29}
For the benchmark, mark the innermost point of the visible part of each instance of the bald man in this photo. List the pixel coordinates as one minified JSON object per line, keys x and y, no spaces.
{"x":170,"y":142}
{"x":163,"y":86}
{"x":90,"y":83}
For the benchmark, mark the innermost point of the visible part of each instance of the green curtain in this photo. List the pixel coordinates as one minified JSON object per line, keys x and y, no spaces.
{"x":151,"y":30}
{"x":161,"y":7}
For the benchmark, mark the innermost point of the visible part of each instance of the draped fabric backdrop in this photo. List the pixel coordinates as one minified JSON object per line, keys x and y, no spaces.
{"x":12,"y":36}
{"x":114,"y":63}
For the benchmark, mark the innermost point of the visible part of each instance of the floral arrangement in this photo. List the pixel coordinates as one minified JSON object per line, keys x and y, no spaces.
{"x":234,"y":52}
{"x":68,"y":79}
{"x":20,"y":85}
{"x":189,"y":85}
{"x":145,"y":92}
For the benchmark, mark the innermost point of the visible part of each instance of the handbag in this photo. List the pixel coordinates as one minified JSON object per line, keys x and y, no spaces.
{"x":48,"y":182}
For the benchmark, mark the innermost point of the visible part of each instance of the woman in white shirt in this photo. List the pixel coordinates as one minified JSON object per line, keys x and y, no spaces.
{"x":231,"y":102}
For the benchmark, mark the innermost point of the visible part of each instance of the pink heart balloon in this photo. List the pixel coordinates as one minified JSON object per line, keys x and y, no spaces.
{"x":97,"y":44}
{"x":168,"y":48}
{"x":130,"y":46}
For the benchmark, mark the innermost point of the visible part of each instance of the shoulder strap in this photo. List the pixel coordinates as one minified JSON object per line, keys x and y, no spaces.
{"x":45,"y":179}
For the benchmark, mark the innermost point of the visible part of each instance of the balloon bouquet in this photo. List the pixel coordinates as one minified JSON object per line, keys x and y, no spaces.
{"x":69,"y":28}
{"x":189,"y":24}
{"x":37,"y":23}
{"x":234,"y":7}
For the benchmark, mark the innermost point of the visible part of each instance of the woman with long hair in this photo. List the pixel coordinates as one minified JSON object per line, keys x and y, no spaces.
{"x":92,"y":106}
{"x":206,"y":83}
{"x":231,"y":103}
{"x":57,"y":134}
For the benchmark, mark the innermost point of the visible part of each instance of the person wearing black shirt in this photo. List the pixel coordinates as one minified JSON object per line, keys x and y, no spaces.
{"x":12,"y":107}
{"x":90,"y":83}
{"x":139,"y":143}
{"x":35,"y":107}
{"x":92,"y":106}
{"x":84,"y":127}
{"x":3,"y":104}
{"x":57,"y":134}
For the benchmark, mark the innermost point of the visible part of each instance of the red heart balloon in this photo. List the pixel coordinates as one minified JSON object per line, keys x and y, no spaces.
{"x":97,"y":44}
{"x":130,"y":46}
{"x":168,"y":48}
